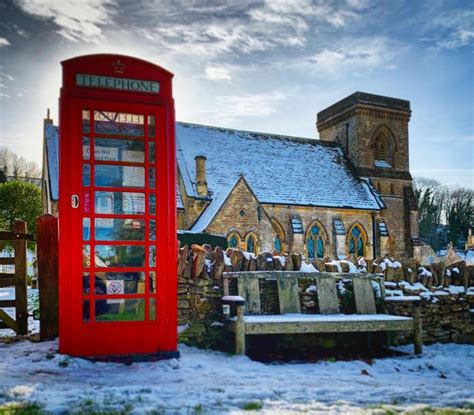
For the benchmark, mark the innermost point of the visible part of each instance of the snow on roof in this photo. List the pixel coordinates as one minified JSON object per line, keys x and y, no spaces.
{"x":219,"y":198}
{"x":52,"y":152}
{"x":279,"y":169}
{"x":179,"y":200}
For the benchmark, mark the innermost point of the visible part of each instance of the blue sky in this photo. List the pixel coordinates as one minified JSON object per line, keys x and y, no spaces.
{"x":256,"y":65}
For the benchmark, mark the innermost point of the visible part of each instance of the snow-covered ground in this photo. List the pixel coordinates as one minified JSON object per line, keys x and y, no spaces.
{"x":213,"y":382}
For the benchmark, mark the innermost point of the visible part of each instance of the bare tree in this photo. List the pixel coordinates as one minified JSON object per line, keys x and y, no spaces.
{"x":14,"y":165}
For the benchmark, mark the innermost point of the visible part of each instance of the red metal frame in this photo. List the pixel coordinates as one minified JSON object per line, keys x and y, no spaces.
{"x":93,"y":339}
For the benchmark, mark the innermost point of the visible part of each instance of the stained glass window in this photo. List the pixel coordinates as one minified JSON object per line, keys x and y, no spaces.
{"x":356,"y":242}
{"x":315,"y":243}
{"x":277,"y":243}
{"x":233,"y":242}
{"x":251,"y":244}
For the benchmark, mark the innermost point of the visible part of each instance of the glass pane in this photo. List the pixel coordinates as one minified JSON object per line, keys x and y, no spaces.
{"x":119,"y":230}
{"x":151,"y":178}
{"x":153,"y":282}
{"x":277,"y":244}
{"x":310,"y":246}
{"x":86,"y":229}
{"x":86,"y":121}
{"x":86,"y":311}
{"x":151,"y":126}
{"x":86,"y":283}
{"x":109,"y":149}
{"x":320,"y":247}
{"x":351,"y":246}
{"x":86,"y":175}
{"x":86,"y":149}
{"x":120,"y":203}
{"x":152,"y":204}
{"x":152,"y":259}
{"x":118,"y":123}
{"x":151,"y":152}
{"x":116,"y":283}
{"x":86,"y":256}
{"x":152,"y":233}
{"x":152,"y":309}
{"x":120,"y":310}
{"x":315,"y":230}
{"x":356,"y":232}
{"x":119,"y":256}
{"x":119,"y":176}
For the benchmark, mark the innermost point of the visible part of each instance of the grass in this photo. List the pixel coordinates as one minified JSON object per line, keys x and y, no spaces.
{"x":253,"y":406}
{"x":26,"y":408}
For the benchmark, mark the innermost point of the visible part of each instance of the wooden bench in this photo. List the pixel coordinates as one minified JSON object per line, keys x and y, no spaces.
{"x":249,"y":319}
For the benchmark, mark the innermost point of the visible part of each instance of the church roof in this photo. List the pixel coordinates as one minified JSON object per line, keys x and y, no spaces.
{"x":279,"y":169}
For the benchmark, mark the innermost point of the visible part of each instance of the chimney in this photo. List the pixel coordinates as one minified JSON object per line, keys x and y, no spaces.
{"x":201,"y":184}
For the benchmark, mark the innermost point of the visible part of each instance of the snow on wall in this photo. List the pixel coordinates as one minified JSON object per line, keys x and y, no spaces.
{"x":279,"y":169}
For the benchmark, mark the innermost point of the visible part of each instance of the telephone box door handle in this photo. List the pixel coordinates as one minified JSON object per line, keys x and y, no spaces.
{"x":75,"y":201}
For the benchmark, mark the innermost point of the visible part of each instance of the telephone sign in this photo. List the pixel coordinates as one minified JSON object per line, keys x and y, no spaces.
{"x":117,"y":213}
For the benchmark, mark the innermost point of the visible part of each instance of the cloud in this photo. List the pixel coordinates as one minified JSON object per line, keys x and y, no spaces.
{"x":238,"y":28}
{"x":456,"y":28}
{"x":350,"y":55}
{"x":4,"y":42}
{"x":233,"y":107}
{"x":77,"y":20}
{"x":218,"y":73}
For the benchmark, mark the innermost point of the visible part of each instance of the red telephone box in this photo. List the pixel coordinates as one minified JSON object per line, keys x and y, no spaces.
{"x":117,"y":213}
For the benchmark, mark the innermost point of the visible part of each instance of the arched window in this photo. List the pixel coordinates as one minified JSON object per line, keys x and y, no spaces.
{"x":279,"y":236}
{"x":383,"y":146}
{"x":315,"y":242}
{"x":251,"y":242}
{"x":356,"y":241}
{"x":233,"y":240}
{"x":380,"y":148}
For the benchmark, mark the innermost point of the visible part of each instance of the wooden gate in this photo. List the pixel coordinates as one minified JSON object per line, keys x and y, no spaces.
{"x":19,"y":238}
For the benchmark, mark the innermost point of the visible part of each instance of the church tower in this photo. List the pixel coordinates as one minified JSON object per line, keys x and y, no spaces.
{"x":372,"y":130}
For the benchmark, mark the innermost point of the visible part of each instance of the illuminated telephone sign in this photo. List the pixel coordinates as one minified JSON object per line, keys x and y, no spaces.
{"x":117,"y":209}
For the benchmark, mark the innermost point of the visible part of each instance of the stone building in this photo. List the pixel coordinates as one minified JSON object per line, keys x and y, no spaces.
{"x":350,"y":192}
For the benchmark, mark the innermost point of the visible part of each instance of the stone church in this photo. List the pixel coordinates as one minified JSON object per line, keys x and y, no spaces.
{"x":350,"y":192}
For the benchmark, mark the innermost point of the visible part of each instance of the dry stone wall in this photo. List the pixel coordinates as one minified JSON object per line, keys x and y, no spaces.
{"x":447,"y":293}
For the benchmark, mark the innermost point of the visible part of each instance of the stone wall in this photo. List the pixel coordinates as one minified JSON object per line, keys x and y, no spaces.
{"x":446,"y":318}
{"x":447,"y":301}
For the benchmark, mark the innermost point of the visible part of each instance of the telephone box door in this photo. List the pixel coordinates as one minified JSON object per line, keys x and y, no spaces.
{"x":117,"y":222}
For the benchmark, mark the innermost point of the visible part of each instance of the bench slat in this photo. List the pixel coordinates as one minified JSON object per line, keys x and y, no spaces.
{"x":328,"y":327}
{"x":288,"y":295}
{"x":327,"y":295}
{"x":364,"y":295}
{"x":248,"y":288}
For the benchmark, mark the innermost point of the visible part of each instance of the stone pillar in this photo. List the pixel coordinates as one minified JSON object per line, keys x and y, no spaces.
{"x":201,"y":183}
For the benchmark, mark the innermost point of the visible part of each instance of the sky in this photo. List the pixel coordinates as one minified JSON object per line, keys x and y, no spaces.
{"x":265,"y":66}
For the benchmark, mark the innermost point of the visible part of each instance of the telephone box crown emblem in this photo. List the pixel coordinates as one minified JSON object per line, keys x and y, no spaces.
{"x":118,"y":66}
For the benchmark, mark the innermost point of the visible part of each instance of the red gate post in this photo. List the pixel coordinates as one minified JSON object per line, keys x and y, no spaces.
{"x":21,"y":299}
{"x":47,"y":249}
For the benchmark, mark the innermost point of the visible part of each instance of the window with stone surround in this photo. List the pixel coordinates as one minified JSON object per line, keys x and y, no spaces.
{"x":383,"y":147}
{"x":234,"y":239}
{"x":357,"y":240}
{"x":251,"y":243}
{"x":279,"y":236}
{"x":315,"y":240}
